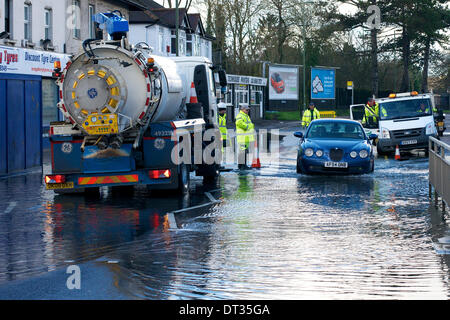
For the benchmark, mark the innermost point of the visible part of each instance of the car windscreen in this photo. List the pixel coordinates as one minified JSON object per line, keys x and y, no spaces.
{"x":335,"y":130}
{"x":411,"y":108}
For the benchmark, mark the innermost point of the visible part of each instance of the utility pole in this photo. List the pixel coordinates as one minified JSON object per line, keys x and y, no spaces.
{"x":304,"y":69}
{"x":177,"y":20}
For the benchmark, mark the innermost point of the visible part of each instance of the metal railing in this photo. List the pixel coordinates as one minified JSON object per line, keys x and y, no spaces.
{"x":439,"y":171}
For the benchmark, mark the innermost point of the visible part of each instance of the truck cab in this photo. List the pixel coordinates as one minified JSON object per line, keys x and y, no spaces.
{"x":404,"y":119}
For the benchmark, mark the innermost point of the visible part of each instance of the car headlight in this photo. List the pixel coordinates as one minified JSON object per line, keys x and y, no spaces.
{"x":319,"y":153}
{"x":385,"y":133}
{"x":363,"y":154}
{"x":353,"y":154}
{"x":430,"y":129}
{"x":309,"y":152}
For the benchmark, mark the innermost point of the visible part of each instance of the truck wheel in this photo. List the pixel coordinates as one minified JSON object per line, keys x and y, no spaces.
{"x":184,"y":180}
{"x":381,"y":152}
{"x":210,"y":173}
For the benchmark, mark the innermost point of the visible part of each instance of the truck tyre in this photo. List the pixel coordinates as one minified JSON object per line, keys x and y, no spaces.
{"x":194,"y":110}
{"x":212,"y":172}
{"x":184,"y":180}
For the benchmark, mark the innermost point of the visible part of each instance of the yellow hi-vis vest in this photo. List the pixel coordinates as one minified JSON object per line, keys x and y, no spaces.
{"x":370,"y":111}
{"x":223,"y":126}
{"x":309,"y":116}
{"x":244,"y":129}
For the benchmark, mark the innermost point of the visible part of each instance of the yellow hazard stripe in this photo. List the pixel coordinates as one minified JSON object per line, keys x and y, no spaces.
{"x":108,"y":179}
{"x":328,"y":114}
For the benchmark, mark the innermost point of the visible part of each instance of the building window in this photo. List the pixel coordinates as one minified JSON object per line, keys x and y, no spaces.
{"x":92,"y":27}
{"x":27,"y":22}
{"x":162,"y":46}
{"x":182,"y":43}
{"x":173,"y":41}
{"x":49,"y":101}
{"x":48,"y":25}
{"x":189,"y":45}
{"x":76,"y":18}
{"x":197,"y":46}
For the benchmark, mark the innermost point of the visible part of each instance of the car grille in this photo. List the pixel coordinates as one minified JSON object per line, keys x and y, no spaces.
{"x":408,"y":133}
{"x":336,"y":154}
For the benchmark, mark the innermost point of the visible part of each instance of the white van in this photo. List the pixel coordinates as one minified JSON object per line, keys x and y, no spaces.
{"x":403,"y":119}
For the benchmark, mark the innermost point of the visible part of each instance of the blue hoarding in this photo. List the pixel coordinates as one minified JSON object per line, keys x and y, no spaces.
{"x":322,"y":83}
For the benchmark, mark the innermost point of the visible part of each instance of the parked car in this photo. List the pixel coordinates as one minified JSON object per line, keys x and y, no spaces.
{"x":335,"y":146}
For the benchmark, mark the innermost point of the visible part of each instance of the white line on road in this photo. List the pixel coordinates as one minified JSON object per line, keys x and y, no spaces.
{"x":211,"y":198}
{"x":172,"y":221}
{"x":10,"y":208}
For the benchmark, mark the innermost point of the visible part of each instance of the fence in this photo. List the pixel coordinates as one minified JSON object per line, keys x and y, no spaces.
{"x":439,"y":171}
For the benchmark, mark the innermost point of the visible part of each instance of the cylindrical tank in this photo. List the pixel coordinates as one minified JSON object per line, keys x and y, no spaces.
{"x":110,"y":82}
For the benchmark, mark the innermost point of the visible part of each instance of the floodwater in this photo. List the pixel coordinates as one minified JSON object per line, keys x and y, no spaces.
{"x":273,"y":235}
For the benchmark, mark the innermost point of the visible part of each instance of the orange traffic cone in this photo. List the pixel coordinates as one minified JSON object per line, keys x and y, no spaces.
{"x":193,"y":98}
{"x":256,"y":163}
{"x":397,"y":153}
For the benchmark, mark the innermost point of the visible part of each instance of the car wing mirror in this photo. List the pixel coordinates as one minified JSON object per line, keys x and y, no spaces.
{"x":298,"y":134}
{"x":373,"y":136}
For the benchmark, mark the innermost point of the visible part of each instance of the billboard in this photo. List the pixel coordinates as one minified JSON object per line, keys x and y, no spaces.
{"x":323,"y":83}
{"x":283,"y":83}
{"x":28,"y":61}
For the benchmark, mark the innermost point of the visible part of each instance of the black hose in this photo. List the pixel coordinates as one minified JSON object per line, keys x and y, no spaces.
{"x":120,"y":13}
{"x":87,"y":42}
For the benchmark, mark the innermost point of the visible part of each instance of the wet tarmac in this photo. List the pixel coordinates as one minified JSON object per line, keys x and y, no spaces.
{"x":265,"y":234}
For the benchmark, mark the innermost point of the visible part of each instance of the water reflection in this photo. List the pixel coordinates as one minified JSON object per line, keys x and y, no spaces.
{"x":278,"y":236}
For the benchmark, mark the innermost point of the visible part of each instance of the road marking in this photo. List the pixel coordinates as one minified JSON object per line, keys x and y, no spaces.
{"x":211,"y":198}
{"x":171,"y":215}
{"x":11,"y":207}
{"x":172,"y":221}
{"x":195,"y":207}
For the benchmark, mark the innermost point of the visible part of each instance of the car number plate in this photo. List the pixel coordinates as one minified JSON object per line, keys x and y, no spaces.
{"x":66,"y":185}
{"x":330,"y":164}
{"x":409,"y":142}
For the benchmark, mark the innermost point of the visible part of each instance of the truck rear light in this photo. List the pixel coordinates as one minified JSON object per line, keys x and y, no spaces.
{"x":159,"y":174}
{"x":56,"y":178}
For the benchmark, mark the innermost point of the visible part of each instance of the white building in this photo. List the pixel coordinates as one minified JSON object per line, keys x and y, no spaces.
{"x":31,"y":22}
{"x":156,"y":27}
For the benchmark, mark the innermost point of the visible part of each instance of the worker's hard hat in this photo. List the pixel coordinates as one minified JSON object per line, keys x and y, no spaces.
{"x":311,"y":103}
{"x":244,"y":106}
{"x":221,"y":105}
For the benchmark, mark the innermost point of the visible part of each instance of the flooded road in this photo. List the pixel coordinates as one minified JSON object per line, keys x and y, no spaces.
{"x":273,"y":235}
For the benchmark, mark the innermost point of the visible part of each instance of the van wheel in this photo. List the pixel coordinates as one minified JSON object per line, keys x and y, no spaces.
{"x":381,"y":152}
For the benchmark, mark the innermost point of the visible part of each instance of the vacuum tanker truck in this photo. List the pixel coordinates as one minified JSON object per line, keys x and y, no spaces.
{"x":130,"y":116}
